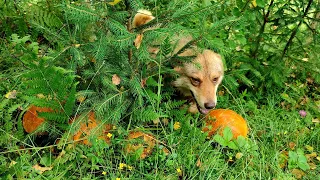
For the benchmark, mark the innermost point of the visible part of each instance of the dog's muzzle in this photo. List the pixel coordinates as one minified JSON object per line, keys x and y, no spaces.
{"x":202,"y":110}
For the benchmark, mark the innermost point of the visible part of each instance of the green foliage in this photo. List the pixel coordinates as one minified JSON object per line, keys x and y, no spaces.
{"x":298,"y":160}
{"x":78,"y":56}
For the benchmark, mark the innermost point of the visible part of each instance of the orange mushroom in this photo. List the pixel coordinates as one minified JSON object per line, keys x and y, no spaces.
{"x":218,"y":119}
{"x":90,"y":126}
{"x":31,"y":121}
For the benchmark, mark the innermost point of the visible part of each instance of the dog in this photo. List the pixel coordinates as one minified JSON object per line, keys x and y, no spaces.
{"x":199,"y":78}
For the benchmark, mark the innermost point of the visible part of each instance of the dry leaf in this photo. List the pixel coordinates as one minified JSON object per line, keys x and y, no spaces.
{"x":90,"y":126}
{"x":311,"y":156}
{"x":116,"y":79}
{"x":142,"y":17}
{"x":41,"y":169}
{"x":147,"y":145}
{"x":199,"y":163}
{"x":292,"y":145}
{"x":81,"y":99}
{"x":313,"y":166}
{"x":156,"y":121}
{"x":316,"y":120}
{"x":283,"y":159}
{"x":11,"y":94}
{"x":143,"y":82}
{"x":165,"y":121}
{"x":297,"y":173}
{"x":138,"y":40}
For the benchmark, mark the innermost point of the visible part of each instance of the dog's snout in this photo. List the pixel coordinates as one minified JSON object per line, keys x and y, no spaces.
{"x":210,"y":105}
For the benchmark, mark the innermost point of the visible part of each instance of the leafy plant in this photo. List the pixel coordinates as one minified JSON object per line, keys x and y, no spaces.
{"x":298,"y":160}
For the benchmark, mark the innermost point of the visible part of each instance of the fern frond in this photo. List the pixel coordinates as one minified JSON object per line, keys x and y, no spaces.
{"x":79,"y":14}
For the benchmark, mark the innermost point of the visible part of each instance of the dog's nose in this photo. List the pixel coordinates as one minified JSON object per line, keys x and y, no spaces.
{"x":210,"y":105}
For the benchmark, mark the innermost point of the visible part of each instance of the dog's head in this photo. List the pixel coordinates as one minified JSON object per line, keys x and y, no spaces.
{"x":201,"y":79}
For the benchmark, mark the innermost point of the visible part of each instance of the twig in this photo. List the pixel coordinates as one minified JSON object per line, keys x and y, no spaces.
{"x":294,"y":32}
{"x":265,"y":20}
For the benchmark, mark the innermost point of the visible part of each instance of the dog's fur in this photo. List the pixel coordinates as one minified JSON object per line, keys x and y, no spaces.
{"x":201,"y":77}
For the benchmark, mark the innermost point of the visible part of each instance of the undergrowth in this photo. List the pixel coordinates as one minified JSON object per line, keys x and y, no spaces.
{"x":78,"y":59}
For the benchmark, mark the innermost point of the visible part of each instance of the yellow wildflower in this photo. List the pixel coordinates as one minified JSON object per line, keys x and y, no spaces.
{"x":122,"y":165}
{"x":104,"y":173}
{"x":109,"y":135}
{"x":118,"y":179}
{"x":130,"y":167}
{"x":179,"y":171}
{"x":176,"y":126}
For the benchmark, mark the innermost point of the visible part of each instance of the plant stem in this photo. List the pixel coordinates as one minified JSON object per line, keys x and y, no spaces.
{"x":294,"y":32}
{"x":265,"y":20}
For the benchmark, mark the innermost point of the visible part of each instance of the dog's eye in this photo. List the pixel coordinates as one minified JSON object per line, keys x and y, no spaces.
{"x":195,"y":81}
{"x":215,"y":79}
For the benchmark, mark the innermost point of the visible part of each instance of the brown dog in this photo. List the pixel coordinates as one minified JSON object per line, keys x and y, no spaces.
{"x":199,"y":78}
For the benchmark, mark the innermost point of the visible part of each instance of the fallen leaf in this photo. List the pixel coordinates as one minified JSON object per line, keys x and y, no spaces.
{"x":305,"y":59}
{"x":313,"y":166}
{"x":138,"y":40}
{"x":116,"y":79}
{"x":292,"y":145}
{"x":311,"y":156}
{"x":199,"y":163}
{"x":283,"y":159}
{"x":165,"y":121}
{"x":316,"y":120}
{"x":156,"y":121}
{"x":41,"y":169}
{"x":147,"y":143}
{"x":143,"y":82}
{"x":297,"y":173}
{"x":81,"y":99}
{"x":11,"y":94}
{"x":142,"y":17}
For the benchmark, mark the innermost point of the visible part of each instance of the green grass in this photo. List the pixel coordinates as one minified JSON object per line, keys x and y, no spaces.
{"x":271,"y":130}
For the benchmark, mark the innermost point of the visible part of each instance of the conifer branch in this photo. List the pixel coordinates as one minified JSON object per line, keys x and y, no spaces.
{"x":265,"y":21}
{"x":294,"y":32}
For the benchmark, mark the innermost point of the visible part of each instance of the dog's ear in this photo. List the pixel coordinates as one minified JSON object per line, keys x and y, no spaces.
{"x":141,"y":18}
